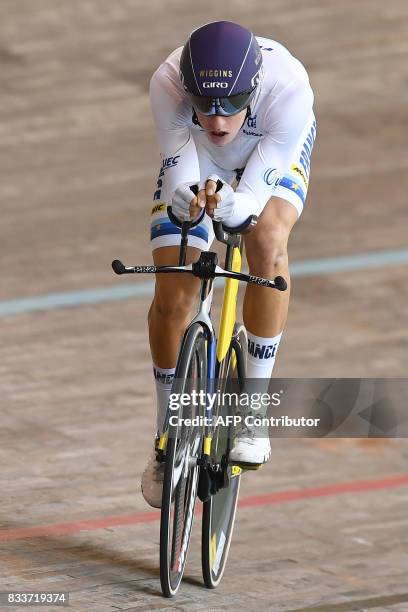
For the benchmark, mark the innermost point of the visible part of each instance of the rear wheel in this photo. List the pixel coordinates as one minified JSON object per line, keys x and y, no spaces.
{"x":181,"y":468}
{"x":219,"y":510}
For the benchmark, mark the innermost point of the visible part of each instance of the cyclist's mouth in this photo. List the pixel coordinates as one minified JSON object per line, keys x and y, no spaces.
{"x":217,"y":137}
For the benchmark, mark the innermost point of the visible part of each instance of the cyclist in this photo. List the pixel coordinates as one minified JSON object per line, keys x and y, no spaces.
{"x":227,"y":106}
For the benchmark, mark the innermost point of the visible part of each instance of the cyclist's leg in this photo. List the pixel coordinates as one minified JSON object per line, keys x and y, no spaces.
{"x":265,"y":311}
{"x":174,"y":296}
{"x":264,"y":316}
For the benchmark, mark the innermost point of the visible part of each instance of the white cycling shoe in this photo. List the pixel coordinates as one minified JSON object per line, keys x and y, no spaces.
{"x":152,"y":481}
{"x":251,"y":449}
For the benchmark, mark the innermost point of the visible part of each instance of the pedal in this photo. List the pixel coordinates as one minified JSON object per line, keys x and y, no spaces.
{"x":160,"y":444}
{"x":247,"y":466}
{"x":160,"y":456}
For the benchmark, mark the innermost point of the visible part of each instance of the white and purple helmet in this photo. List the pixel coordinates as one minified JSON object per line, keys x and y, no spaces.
{"x":220,"y":68}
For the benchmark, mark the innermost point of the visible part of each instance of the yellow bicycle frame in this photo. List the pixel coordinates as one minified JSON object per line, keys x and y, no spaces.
{"x":229,"y":312}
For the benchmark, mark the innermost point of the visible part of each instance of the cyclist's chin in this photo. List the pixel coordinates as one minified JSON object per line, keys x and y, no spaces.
{"x":220,"y":138}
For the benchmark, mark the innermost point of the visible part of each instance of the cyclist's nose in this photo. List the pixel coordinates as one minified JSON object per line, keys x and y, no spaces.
{"x":217,"y":123}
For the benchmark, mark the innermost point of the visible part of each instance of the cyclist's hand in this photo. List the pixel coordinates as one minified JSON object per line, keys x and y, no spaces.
{"x":184,"y":203}
{"x":219,"y":204}
{"x":207,"y":196}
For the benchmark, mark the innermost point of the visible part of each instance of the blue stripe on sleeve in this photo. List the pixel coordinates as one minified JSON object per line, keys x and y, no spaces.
{"x":294,"y":186}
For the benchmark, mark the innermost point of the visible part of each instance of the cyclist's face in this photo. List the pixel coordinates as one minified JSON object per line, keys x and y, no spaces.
{"x":221,"y":130}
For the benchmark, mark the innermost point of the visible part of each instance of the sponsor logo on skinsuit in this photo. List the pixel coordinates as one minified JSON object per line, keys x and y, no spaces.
{"x":168,"y":162}
{"x":261,"y":351}
{"x":299,"y":171}
{"x":272,"y":176}
{"x":158,"y":208}
{"x":307,"y":148}
{"x":249,"y":133}
{"x":157,"y":193}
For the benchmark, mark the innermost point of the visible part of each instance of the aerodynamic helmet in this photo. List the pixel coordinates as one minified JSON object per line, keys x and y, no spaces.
{"x":220,"y":68}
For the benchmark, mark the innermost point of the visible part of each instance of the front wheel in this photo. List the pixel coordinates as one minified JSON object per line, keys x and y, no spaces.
{"x":181,"y":469}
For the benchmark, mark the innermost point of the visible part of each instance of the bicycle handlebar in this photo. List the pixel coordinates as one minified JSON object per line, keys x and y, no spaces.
{"x":202,"y":269}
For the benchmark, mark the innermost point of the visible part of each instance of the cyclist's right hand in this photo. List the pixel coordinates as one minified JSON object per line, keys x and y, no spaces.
{"x":184,"y":203}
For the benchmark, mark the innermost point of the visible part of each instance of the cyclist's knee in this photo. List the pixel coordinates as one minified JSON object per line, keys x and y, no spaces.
{"x":267,"y":252}
{"x":174,"y":294}
{"x":173,"y":301}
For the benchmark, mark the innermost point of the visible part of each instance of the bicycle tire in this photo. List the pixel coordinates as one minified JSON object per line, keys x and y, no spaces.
{"x":220,"y":510}
{"x":180,"y":491}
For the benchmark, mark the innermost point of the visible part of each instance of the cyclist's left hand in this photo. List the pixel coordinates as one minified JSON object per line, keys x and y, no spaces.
{"x":219,"y":205}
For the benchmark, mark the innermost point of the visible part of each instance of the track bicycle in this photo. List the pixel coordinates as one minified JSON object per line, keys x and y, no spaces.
{"x":195,"y":450}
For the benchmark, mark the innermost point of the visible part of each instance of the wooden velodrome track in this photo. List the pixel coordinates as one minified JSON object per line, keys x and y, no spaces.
{"x":79,"y":161}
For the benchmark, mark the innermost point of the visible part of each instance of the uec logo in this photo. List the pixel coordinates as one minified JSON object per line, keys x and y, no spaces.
{"x":271,"y":176}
